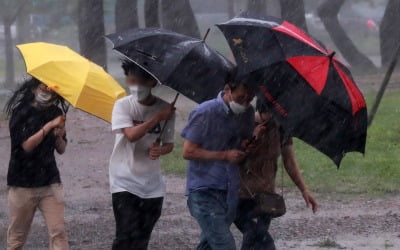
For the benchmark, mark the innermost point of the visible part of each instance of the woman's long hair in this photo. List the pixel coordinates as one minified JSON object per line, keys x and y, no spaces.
{"x":24,"y":96}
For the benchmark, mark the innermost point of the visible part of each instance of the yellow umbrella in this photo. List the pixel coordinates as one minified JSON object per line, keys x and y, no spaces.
{"x":84,"y":84}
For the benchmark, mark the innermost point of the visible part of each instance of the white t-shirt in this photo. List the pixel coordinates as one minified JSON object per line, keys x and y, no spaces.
{"x":131,"y":169}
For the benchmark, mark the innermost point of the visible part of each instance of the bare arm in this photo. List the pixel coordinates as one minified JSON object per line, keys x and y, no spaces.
{"x":292,"y":167}
{"x":61,"y":144}
{"x":294,"y":172}
{"x":193,"y":151}
{"x":134,"y":133}
{"x":32,"y":142}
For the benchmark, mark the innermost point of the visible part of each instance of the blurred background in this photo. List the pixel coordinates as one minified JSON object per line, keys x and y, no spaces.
{"x":362,"y":198}
{"x":81,"y":25}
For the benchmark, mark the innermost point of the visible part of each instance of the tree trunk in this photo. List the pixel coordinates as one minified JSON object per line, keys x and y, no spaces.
{"x":177,"y":15}
{"x":23,"y":24}
{"x":151,"y":13}
{"x":126,"y":15}
{"x":328,"y":12}
{"x":389,"y":32}
{"x":293,"y":12}
{"x":231,"y":8}
{"x":8,"y":13}
{"x":257,"y":7}
{"x":384,"y":85}
{"x":8,"y":46}
{"x":91,"y":31}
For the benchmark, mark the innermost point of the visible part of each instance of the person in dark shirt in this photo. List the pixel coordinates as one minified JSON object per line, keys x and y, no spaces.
{"x":37,"y":129}
{"x":258,"y":174}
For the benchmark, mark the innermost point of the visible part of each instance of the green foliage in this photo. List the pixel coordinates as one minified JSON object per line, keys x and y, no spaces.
{"x":328,"y":243}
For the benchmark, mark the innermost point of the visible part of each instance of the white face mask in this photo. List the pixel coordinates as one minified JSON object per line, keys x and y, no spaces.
{"x":140,"y":92}
{"x":236,"y":108}
{"x":43,"y":99}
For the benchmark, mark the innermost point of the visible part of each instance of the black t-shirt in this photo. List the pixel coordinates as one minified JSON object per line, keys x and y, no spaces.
{"x":37,"y":168}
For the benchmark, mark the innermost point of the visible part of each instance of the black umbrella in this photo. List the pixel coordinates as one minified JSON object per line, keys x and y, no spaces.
{"x":310,"y":92}
{"x":184,"y":63}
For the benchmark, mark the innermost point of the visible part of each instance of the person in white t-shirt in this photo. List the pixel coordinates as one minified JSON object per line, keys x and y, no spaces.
{"x":136,"y":182}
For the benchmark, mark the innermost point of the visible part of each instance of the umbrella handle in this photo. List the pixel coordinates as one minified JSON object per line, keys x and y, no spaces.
{"x":158,"y":140}
{"x":205,"y":35}
{"x":65,"y":108}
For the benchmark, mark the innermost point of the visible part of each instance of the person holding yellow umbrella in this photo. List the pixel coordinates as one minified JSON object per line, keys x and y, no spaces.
{"x":82,"y":83}
{"x":37,"y":129}
{"x":37,"y":112}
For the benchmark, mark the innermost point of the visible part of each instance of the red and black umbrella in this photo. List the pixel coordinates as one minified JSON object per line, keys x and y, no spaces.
{"x":310,"y":92}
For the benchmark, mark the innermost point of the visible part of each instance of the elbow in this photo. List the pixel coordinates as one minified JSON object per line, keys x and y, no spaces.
{"x":60,"y":151}
{"x":189,"y":151}
{"x":131,"y":138}
{"x":26,"y":148}
{"x":187,"y":155}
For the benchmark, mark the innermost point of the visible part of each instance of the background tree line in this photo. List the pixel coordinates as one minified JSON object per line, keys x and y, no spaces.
{"x":178,"y":15}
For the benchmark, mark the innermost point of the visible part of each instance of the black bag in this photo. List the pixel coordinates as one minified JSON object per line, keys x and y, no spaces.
{"x":269,"y":203}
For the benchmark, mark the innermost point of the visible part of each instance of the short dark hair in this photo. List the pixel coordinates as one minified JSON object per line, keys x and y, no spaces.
{"x":234,"y":80}
{"x":234,"y":85}
{"x":132,"y":68}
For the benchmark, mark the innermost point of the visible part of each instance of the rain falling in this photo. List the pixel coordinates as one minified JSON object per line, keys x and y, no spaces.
{"x":199,"y":124}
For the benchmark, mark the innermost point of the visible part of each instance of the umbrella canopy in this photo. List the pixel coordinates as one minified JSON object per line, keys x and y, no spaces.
{"x":84,"y":84}
{"x":310,"y":92}
{"x":183,"y":63}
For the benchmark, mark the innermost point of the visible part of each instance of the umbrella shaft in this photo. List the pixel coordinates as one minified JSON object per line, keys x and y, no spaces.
{"x":165,"y":123}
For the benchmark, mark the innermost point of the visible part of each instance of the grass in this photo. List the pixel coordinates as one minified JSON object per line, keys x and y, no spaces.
{"x":388,"y":244}
{"x":173,"y":163}
{"x":376,"y":173}
{"x":328,"y":243}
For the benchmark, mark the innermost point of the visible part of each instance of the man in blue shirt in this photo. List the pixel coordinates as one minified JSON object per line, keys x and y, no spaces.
{"x":214,"y":136}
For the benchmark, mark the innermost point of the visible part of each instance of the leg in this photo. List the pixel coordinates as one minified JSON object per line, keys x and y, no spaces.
{"x":209,"y":208}
{"x":127,"y":220}
{"x":150,"y":210}
{"x":245,"y":223}
{"x":264,"y":239}
{"x":203,"y":245}
{"x":21,"y":206}
{"x":52,"y":207}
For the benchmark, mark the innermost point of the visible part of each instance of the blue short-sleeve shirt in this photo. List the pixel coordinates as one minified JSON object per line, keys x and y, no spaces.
{"x":214,"y":127}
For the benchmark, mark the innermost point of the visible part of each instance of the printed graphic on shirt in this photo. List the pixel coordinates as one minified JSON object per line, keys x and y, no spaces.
{"x":155,"y":130}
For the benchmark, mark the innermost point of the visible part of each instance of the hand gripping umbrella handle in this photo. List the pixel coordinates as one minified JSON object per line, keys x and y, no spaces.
{"x":158,"y":141}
